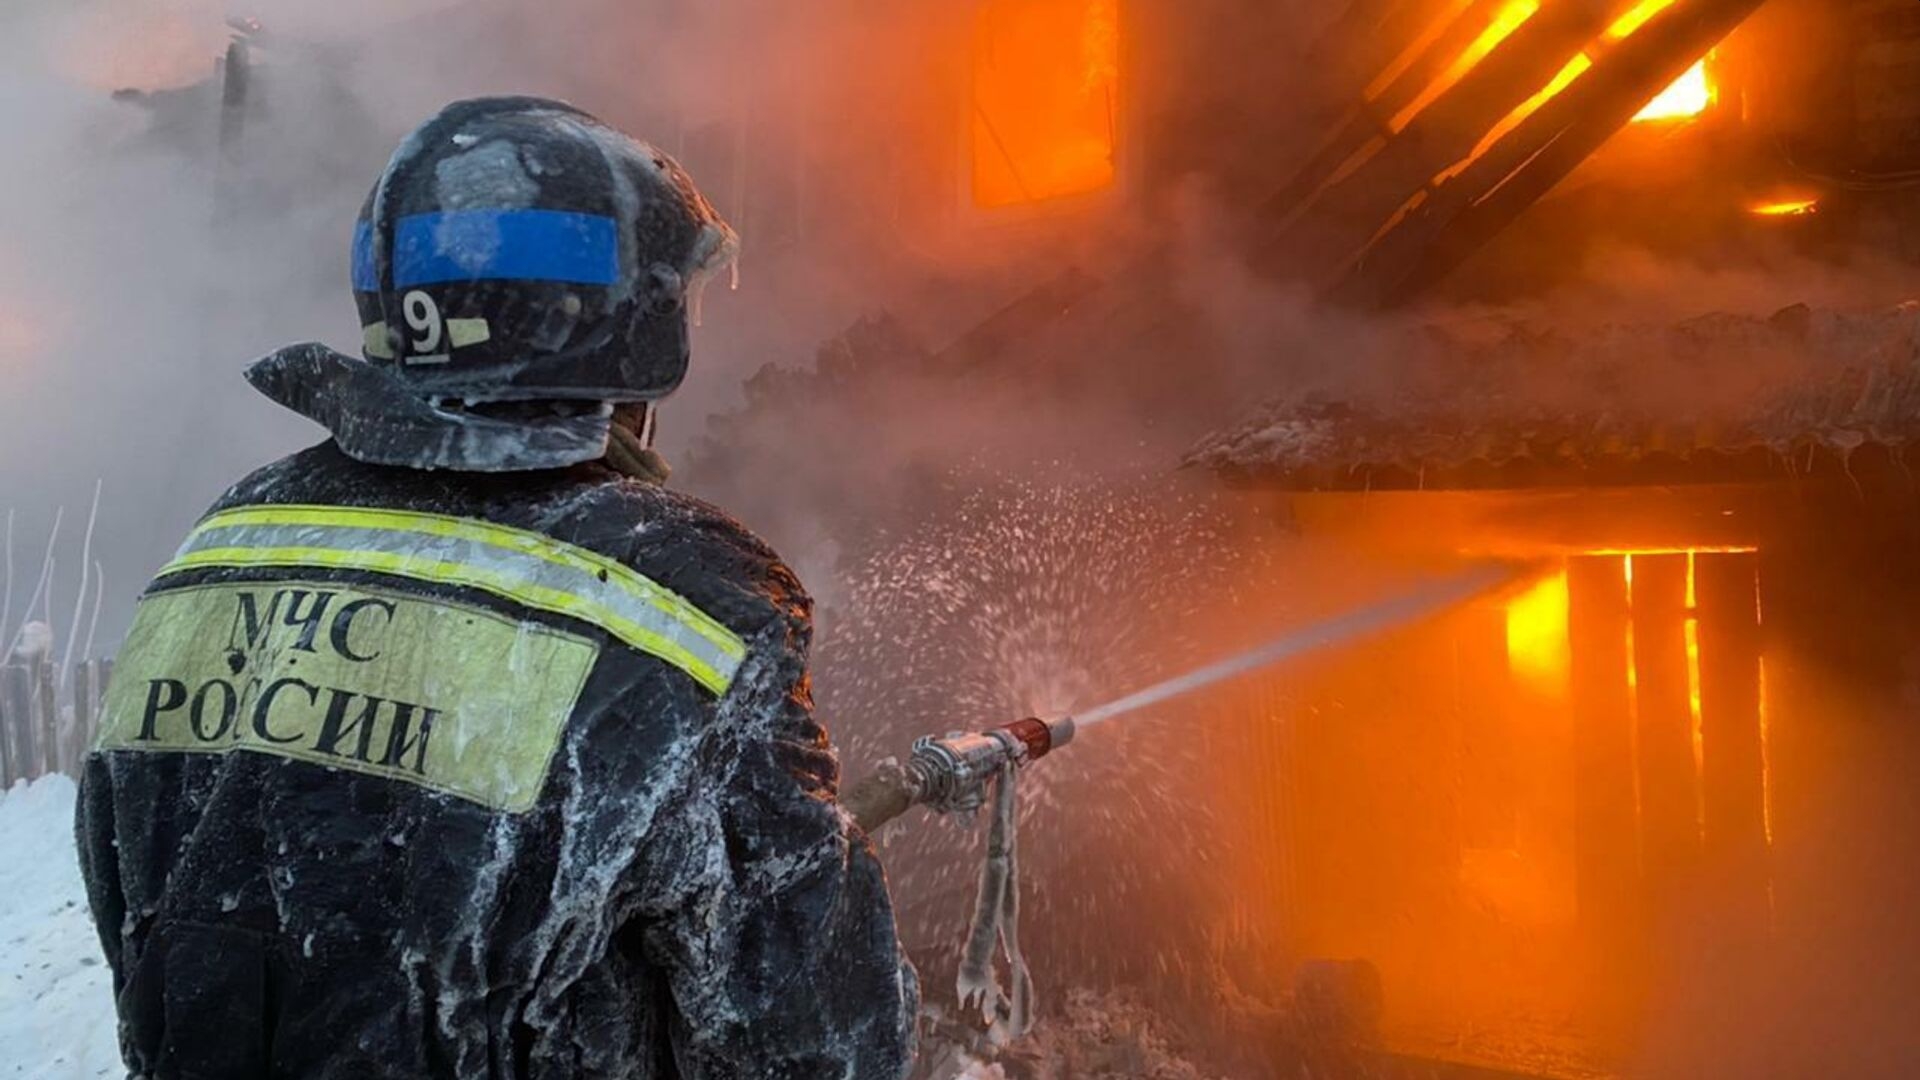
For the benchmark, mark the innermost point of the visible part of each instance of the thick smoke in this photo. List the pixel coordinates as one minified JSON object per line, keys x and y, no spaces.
{"x":143,"y":263}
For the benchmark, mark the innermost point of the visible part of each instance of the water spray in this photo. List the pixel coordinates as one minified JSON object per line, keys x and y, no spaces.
{"x":957,"y":772}
{"x":950,"y":773}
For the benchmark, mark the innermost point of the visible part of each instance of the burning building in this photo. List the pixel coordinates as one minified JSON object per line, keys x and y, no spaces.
{"x":1647,"y":812}
{"x":1653,"y":799}
{"x":1658,"y":788}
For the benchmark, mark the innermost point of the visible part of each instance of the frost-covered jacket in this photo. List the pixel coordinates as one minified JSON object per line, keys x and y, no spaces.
{"x":412,"y":774}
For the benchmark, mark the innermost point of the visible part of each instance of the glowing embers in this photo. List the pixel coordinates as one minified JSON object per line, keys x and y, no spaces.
{"x":1688,"y":97}
{"x":1537,"y":646}
{"x":1045,"y":106}
{"x":1784,"y":208}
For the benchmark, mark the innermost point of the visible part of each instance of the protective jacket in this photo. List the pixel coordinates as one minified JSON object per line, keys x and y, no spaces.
{"x":430,"y":774}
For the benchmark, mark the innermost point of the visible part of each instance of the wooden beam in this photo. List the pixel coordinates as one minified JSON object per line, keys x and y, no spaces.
{"x":1465,"y":212}
{"x":1366,"y":121}
{"x":1669,"y":796}
{"x":1350,"y":213}
{"x":1369,"y":34}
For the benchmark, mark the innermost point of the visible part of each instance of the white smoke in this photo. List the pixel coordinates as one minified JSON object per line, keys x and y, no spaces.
{"x":141,"y":268}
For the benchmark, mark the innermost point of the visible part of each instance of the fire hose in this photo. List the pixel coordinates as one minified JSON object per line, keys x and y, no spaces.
{"x":952,"y":774}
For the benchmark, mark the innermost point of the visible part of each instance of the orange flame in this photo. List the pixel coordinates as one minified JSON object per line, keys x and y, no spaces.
{"x":1509,"y":19}
{"x":1689,"y":96}
{"x":1538,"y":652}
{"x":1696,"y":725}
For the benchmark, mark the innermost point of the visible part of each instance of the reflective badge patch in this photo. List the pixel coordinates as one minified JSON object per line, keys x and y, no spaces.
{"x":433,"y":693}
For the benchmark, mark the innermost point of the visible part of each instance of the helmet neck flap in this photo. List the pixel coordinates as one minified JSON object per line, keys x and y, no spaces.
{"x":377,"y":418}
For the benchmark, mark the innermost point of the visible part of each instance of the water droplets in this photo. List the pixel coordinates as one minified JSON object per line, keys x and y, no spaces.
{"x":1038,"y":599}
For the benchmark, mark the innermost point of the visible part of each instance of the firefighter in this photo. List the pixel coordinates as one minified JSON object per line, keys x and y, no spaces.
{"x":457,"y":746}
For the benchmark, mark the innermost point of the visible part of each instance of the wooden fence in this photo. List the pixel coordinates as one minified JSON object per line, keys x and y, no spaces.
{"x":45,"y":727}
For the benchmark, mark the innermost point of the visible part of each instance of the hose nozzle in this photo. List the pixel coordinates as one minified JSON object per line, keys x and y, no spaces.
{"x":949,"y":773}
{"x":953,"y":769}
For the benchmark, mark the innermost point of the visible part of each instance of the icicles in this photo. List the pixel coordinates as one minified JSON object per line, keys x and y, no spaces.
{"x":717,"y":248}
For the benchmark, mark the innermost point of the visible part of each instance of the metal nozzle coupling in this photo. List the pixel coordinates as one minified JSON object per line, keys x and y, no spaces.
{"x":952,"y":770}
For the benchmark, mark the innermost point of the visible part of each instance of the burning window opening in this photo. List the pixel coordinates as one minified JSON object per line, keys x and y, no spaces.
{"x":1044,"y":115}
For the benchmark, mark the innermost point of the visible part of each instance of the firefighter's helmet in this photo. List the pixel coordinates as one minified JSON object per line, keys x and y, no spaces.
{"x":518,"y":249}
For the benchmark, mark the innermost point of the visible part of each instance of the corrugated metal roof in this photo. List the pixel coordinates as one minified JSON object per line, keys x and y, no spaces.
{"x":1718,"y":398}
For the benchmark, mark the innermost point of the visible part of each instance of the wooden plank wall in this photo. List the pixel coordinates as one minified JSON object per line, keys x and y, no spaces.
{"x":1607,"y":855}
{"x":1733,"y":766}
{"x":42,"y":730}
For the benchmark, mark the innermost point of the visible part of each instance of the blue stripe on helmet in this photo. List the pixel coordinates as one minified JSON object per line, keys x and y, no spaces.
{"x":365,"y":277}
{"x":503,"y":245}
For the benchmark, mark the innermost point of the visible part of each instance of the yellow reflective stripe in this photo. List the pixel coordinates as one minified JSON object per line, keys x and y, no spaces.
{"x":514,"y":564}
{"x":527,"y":542}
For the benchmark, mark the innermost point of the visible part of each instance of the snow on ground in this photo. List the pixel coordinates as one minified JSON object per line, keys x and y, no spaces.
{"x":56,"y":998}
